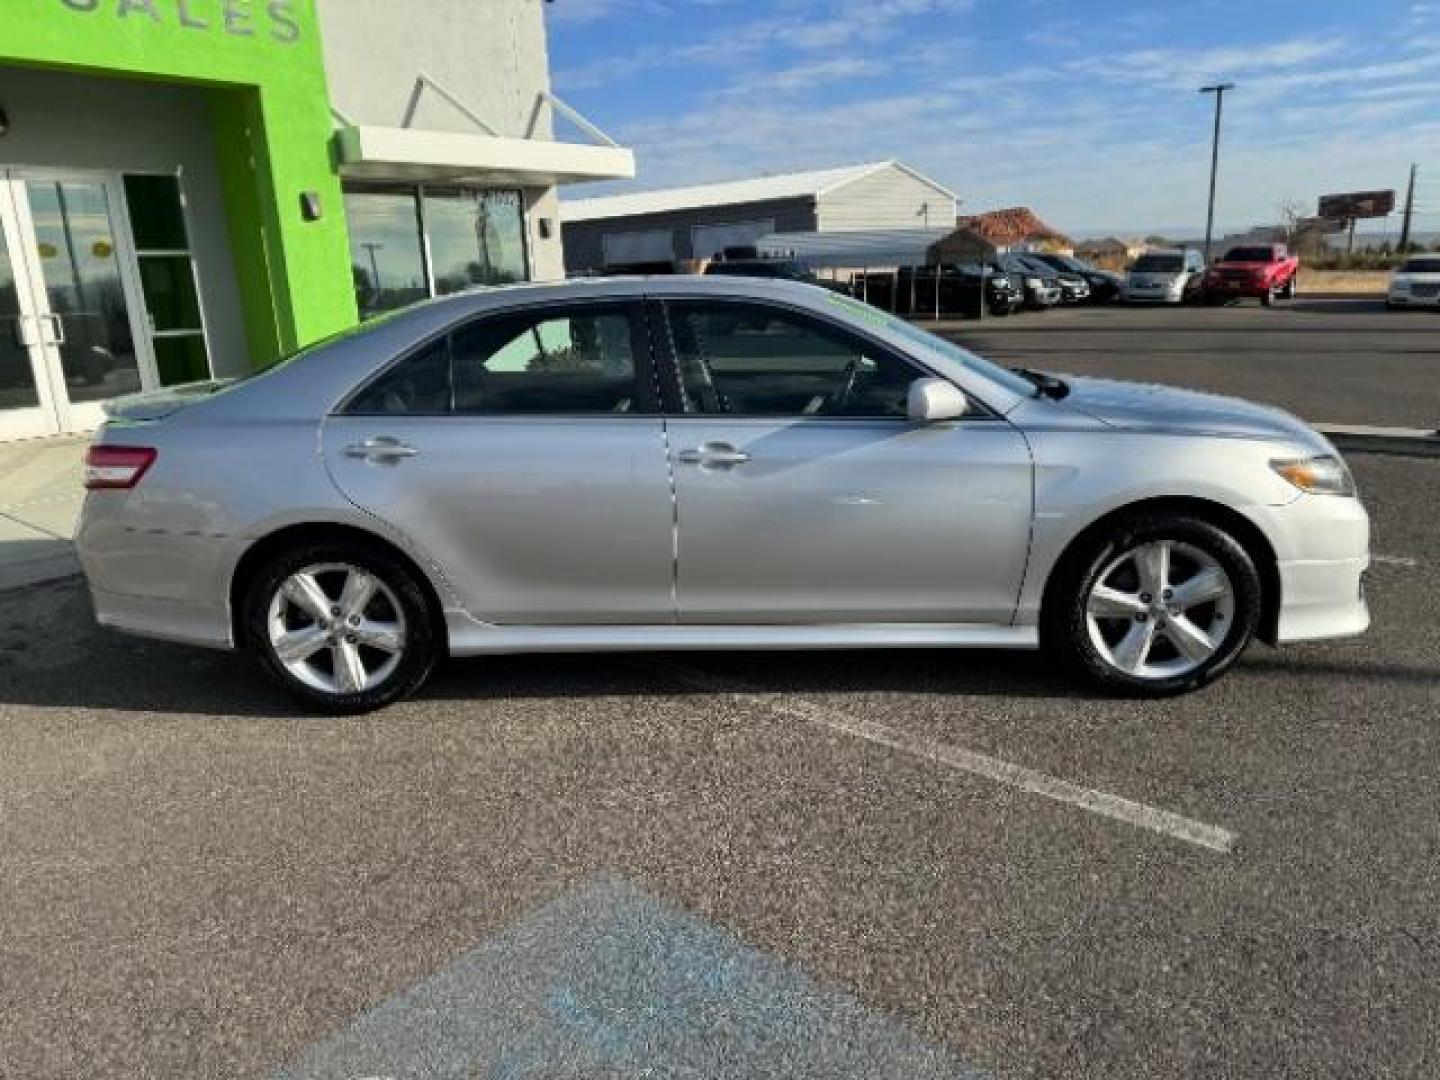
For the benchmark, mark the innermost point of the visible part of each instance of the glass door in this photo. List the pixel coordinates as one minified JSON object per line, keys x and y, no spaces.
{"x":26,"y":406}
{"x":85,"y":302}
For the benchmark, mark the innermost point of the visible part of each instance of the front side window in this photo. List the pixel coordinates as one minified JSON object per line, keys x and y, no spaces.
{"x":754,"y":360}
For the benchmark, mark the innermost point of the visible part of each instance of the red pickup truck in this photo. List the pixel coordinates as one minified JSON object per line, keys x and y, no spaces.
{"x":1265,"y":271}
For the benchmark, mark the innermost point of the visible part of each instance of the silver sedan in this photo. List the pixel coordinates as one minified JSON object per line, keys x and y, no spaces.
{"x":706,"y":463}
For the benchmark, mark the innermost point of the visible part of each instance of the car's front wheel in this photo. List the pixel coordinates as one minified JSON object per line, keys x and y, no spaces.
{"x":1160,"y":605}
{"x":341,"y":627}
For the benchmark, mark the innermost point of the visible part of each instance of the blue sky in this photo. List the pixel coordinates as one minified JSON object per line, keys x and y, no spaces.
{"x":1085,"y":110}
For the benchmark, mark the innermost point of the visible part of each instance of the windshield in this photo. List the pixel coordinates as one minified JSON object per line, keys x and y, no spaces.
{"x":1249,"y":254}
{"x":1159,"y":264}
{"x":1016,"y":384}
{"x":1421,"y":266}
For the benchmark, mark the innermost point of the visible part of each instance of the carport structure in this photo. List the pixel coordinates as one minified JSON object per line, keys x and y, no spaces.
{"x":887,"y":251}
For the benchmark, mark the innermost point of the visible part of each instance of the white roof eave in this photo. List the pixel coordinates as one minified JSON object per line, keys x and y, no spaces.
{"x":386,"y":153}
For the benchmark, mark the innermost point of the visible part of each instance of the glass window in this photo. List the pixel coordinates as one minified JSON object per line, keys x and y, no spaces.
{"x":418,"y":384}
{"x":753,"y":360}
{"x":476,"y":238}
{"x":181,"y":359}
{"x":157,"y":215}
{"x":581,"y":362}
{"x":387,"y":259}
{"x":169,"y":285}
{"x":167,"y":277}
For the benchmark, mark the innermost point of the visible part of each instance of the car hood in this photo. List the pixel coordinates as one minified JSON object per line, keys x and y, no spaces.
{"x":1148,"y":407}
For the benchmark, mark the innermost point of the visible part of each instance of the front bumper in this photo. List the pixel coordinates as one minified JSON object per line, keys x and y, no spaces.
{"x":1322,"y":548}
{"x":1410,"y":299}
{"x":1156,"y":293}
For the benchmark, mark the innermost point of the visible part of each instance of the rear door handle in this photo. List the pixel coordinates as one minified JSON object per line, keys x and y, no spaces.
{"x":381,"y":448}
{"x":714,"y":453}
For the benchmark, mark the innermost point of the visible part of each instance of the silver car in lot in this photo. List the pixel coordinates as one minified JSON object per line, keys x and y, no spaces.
{"x":705,"y":463}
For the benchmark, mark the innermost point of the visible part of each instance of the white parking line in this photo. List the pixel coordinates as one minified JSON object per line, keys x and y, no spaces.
{"x":1001,"y":772}
{"x":1395,"y":560}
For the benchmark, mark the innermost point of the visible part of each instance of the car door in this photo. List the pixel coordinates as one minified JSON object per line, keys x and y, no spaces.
{"x":804,"y":494}
{"x":523,"y":453}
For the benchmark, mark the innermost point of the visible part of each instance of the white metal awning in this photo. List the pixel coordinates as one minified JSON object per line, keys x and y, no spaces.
{"x":388,"y":153}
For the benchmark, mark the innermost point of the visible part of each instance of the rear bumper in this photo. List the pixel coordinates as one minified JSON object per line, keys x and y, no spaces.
{"x":165,"y":620}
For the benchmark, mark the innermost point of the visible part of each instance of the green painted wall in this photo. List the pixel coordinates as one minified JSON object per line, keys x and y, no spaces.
{"x":261,"y":65}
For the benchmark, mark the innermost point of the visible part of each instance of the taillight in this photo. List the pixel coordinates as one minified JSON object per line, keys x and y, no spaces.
{"x":116,"y":467}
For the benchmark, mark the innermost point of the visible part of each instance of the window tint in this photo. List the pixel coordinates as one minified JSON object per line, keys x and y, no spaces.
{"x":753,"y":360}
{"x":418,"y":384}
{"x":581,"y":362}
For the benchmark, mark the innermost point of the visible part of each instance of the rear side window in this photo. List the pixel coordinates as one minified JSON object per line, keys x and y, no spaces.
{"x":567,"y":363}
{"x":418,"y":385}
{"x":577,"y":361}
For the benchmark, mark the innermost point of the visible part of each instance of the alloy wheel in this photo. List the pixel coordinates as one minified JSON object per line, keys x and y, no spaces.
{"x":337,"y":628}
{"x":1160,"y":610}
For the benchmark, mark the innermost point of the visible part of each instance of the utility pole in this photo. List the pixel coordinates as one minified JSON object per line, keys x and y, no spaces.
{"x":1219,"y":91}
{"x":372,"y":247}
{"x":1409,"y":211}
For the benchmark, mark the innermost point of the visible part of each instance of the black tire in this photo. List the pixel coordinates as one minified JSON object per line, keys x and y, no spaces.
{"x":1064,"y":627}
{"x":1267,"y":298}
{"x":421,"y":642}
{"x":1292,"y":286}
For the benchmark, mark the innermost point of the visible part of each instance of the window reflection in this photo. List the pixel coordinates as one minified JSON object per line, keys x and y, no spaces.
{"x":82,"y":279}
{"x":475,"y":237}
{"x":387,"y":260}
{"x":17,"y":378}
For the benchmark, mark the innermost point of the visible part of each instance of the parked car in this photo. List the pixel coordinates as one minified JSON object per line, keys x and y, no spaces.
{"x":1171,"y":276}
{"x":1265,"y":271}
{"x":1040,"y":287}
{"x":776,"y":269}
{"x":1415,"y":284}
{"x":1074,"y":289}
{"x":1105,"y":287}
{"x":705,"y":463}
{"x":914,"y":290}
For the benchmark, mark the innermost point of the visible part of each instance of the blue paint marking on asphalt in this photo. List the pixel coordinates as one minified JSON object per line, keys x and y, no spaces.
{"x":606,"y":981}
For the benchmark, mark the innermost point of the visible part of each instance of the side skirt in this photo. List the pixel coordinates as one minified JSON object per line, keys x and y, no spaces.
{"x":469,"y":638}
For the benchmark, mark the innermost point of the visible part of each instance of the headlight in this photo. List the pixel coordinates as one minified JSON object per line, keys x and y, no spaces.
{"x":1400,"y":284}
{"x":1034,"y":283}
{"x":1322,"y":475}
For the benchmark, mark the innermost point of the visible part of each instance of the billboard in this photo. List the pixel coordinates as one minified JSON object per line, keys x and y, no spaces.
{"x":1357,"y":204}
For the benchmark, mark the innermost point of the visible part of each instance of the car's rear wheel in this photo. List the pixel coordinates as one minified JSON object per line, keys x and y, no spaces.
{"x":341,"y":627}
{"x":1160,"y":605}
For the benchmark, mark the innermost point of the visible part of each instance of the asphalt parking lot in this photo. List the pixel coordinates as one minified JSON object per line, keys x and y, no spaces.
{"x":1329,"y":361}
{"x":896,"y":864}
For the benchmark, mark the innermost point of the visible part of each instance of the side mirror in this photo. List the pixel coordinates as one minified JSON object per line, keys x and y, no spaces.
{"x":932,"y":400}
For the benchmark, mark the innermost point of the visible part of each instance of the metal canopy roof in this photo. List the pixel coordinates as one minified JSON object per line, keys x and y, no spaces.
{"x":878,"y":247}
{"x":814,"y":183}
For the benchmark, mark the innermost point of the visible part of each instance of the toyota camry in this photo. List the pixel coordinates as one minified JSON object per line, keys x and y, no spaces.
{"x":706,"y":463}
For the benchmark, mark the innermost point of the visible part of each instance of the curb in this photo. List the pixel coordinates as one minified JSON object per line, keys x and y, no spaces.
{"x":1409,"y":442}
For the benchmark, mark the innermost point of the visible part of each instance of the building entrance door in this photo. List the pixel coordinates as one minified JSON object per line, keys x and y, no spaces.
{"x":69,"y":297}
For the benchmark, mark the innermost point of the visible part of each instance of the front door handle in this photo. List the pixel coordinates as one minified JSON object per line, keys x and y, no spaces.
{"x":381,"y":448}
{"x":714,"y":454}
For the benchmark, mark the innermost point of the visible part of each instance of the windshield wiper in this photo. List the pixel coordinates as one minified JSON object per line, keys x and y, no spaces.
{"x":1047,"y":385}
